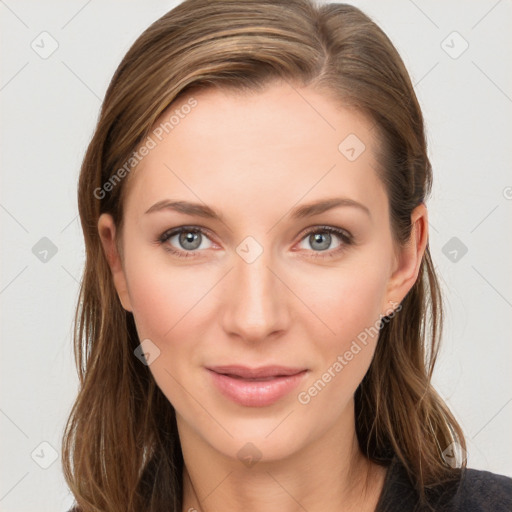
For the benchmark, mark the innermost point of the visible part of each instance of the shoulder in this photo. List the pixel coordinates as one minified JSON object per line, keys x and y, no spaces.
{"x":482,"y":491}
{"x":473,"y":491}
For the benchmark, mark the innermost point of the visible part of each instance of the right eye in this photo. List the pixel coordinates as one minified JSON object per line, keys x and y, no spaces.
{"x":188,"y":240}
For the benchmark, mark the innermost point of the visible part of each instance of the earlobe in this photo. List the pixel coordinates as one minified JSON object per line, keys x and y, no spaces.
{"x":409,"y":257}
{"x":107,"y":233}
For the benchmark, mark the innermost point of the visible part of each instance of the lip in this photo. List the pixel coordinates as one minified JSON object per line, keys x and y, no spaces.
{"x":256,"y":387}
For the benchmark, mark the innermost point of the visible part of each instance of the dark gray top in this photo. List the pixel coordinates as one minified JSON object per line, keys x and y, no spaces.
{"x":476,"y":491}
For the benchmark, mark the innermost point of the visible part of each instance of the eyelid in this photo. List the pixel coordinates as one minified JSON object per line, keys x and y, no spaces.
{"x":345,"y":235}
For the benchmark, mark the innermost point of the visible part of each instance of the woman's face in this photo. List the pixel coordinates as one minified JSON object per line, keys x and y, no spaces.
{"x":268,"y":281}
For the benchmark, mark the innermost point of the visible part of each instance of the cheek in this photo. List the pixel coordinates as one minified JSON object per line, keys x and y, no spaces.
{"x":152,"y":306}
{"x":162,"y":297}
{"x":165,"y":304}
{"x":348,"y":300}
{"x":349,"y":303}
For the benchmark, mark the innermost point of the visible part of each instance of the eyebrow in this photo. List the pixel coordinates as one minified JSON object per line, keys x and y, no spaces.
{"x":300,"y":212}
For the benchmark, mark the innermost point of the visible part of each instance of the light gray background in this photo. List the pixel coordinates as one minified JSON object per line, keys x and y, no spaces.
{"x":49,"y":108}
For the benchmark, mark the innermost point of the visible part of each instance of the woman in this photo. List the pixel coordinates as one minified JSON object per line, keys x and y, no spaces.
{"x":259,"y":315}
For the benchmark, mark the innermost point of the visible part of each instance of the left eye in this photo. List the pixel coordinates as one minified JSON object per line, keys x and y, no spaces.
{"x":317,"y":237}
{"x":191,"y":238}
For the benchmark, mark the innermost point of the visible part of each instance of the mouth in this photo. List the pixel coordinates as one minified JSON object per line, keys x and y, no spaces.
{"x":258,"y":387}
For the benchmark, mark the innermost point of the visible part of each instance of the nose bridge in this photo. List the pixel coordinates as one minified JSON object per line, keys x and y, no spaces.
{"x":256,"y":305}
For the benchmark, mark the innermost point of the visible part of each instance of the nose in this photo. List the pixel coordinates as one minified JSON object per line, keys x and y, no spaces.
{"x":256,"y":304}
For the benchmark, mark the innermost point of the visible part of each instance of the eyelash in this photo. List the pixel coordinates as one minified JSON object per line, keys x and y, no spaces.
{"x":345,"y":237}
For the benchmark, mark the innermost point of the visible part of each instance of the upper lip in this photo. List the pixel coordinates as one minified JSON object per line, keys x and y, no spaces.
{"x":252,"y":373}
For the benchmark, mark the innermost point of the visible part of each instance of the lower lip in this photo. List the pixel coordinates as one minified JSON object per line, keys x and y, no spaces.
{"x":253,"y":393}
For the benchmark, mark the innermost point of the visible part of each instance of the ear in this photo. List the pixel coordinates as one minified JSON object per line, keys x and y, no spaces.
{"x":408,"y":259}
{"x":107,"y":232}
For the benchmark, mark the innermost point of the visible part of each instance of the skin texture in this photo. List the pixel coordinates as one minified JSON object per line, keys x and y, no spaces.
{"x":254,"y":157}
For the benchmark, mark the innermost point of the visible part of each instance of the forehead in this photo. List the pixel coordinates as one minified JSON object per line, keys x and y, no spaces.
{"x":282,"y":143}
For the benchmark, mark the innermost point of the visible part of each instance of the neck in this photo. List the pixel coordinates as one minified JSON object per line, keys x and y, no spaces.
{"x":328,"y":474}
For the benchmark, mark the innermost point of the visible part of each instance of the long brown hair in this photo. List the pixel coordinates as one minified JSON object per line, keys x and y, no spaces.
{"x":120,"y":449}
